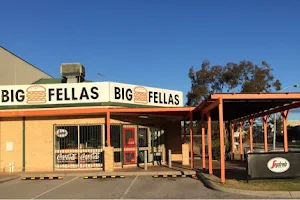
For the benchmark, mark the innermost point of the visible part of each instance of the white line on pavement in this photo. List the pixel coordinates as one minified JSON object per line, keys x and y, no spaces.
{"x":129,"y":187}
{"x":55,"y":188}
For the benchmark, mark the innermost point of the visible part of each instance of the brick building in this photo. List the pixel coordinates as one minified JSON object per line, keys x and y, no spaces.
{"x":72,"y":124}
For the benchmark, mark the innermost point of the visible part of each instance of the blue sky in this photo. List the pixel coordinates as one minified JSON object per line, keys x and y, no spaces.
{"x":153,"y":43}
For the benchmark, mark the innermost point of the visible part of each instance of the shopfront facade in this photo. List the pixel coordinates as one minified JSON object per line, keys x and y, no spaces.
{"x":68,"y":126}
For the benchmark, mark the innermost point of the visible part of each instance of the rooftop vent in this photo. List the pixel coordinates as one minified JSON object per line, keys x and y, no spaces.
{"x":72,"y":72}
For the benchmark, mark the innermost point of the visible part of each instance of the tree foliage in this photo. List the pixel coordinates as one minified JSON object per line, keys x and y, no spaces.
{"x":232,"y":77}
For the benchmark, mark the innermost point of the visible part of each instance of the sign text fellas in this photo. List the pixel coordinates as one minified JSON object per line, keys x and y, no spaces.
{"x":53,"y":94}
{"x":141,"y":95}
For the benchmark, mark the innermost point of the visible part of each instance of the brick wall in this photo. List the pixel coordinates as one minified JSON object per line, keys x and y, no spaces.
{"x":11,"y":131}
{"x":40,"y":136}
{"x":39,"y":140}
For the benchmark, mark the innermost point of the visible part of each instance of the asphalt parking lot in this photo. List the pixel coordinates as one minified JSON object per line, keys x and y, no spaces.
{"x":132,"y":187}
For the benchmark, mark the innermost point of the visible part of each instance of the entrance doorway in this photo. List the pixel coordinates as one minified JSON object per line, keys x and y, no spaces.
{"x":129,"y":138}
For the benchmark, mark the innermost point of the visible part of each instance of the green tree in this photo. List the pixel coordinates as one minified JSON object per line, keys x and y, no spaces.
{"x":232,"y":77}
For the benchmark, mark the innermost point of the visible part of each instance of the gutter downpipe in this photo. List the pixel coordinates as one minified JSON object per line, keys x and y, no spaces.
{"x":23,"y":144}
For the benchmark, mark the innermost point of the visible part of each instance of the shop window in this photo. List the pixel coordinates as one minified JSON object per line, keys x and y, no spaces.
{"x":117,"y":156}
{"x":90,"y":137}
{"x":115,"y":138}
{"x":143,"y":137}
{"x":66,"y":137}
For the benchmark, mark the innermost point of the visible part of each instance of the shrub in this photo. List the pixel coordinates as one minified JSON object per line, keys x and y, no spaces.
{"x":216,"y":149}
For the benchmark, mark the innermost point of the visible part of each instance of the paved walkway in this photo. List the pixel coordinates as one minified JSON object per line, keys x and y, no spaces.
{"x":235,"y":169}
{"x":127,"y":171}
{"x":4,"y":177}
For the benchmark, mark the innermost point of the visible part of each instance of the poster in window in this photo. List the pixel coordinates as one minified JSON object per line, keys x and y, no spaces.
{"x":66,"y":158}
{"x":86,"y":158}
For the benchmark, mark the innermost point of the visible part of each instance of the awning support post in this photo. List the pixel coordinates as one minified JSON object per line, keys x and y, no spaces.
{"x":222,"y":145}
{"x":265,"y":119}
{"x":184,"y":130}
{"x":203,"y":142}
{"x":285,"y":135}
{"x":108,"y":128}
{"x":232,"y":141}
{"x":251,"y":134}
{"x":241,"y":139}
{"x":191,"y":140}
{"x":209,"y":138}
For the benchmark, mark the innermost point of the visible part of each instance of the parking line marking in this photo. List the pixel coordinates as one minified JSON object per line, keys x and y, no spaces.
{"x":131,"y":184}
{"x":55,"y":187}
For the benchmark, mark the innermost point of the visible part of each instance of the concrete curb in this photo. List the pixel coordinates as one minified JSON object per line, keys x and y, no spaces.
{"x":145,"y":173}
{"x":9,"y":178}
{"x":102,"y":177}
{"x":43,"y":178}
{"x":274,"y":194}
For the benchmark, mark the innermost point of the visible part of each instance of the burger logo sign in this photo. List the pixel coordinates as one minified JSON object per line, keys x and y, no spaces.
{"x":94,"y":92}
{"x":278,"y":165}
{"x":145,"y":95}
{"x":140,"y":95}
{"x":50,"y":94}
{"x":36,"y":94}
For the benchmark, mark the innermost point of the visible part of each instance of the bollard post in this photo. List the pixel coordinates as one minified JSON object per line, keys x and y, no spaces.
{"x":145,"y":160}
{"x":170,"y":158}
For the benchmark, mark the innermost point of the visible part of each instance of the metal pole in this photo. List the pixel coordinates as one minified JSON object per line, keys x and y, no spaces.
{"x":274,"y":134}
{"x":145,"y":159}
{"x":170,"y":158}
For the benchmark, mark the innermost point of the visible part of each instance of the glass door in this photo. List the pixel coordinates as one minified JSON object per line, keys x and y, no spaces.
{"x":129,"y":145}
{"x":143,"y":144}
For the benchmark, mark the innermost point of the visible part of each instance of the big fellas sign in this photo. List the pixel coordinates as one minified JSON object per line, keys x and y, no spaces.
{"x":97,"y":92}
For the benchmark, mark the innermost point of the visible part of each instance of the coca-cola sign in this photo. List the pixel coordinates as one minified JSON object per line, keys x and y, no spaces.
{"x":278,"y":165}
{"x":68,"y":158}
{"x":90,"y":157}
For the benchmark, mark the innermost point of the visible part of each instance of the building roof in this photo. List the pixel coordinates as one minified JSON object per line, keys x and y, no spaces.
{"x":243,"y":106}
{"x":49,"y":81}
{"x":25,"y":61}
{"x":53,"y":81}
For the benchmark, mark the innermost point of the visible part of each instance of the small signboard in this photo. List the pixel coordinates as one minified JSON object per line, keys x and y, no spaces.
{"x":273,"y":165}
{"x":61,"y":133}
